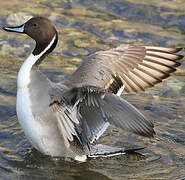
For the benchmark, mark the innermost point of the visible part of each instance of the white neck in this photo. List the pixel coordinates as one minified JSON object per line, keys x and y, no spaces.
{"x":24,"y":73}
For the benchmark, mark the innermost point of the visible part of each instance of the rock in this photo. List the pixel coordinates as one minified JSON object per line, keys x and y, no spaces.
{"x":18,"y":18}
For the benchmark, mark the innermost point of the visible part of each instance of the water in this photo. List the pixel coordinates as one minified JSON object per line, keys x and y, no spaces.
{"x":85,"y":27}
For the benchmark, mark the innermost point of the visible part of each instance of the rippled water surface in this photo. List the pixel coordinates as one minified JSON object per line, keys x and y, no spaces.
{"x":84,"y":27}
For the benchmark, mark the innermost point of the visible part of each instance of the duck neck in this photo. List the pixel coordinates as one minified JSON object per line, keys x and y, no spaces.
{"x":43,"y":49}
{"x":32,"y":63}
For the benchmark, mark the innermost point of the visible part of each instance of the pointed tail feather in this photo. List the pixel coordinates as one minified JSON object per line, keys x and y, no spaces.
{"x":100,"y":150}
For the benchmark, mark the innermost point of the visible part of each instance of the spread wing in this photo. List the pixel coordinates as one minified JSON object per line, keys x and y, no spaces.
{"x":83,"y":114}
{"x":137,"y":68}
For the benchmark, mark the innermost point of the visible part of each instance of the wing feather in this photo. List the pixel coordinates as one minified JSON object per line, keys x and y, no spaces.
{"x":148,"y":64}
{"x":84,"y":113}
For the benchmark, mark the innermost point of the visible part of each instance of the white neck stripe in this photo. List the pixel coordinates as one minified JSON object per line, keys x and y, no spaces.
{"x":24,"y":73}
{"x":50,"y":44}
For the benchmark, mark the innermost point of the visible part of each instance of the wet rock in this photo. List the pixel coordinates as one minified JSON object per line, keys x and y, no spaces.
{"x":76,"y":60}
{"x":77,"y":51}
{"x":81,"y":43}
{"x":175,"y":84}
{"x":18,"y":18}
{"x":5,"y":47}
{"x":183,"y":90}
{"x":170,"y":93}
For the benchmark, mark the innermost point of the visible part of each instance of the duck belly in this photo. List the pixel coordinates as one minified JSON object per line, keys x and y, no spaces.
{"x":40,"y":129}
{"x":31,"y":127}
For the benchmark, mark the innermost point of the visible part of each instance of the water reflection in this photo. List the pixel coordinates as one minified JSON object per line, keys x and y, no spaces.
{"x":35,"y":165}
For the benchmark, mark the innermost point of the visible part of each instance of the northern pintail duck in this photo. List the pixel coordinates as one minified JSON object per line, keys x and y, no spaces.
{"x":65,"y":119}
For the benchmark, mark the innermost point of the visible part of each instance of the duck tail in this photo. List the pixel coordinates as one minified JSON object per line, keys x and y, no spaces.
{"x":100,"y":150}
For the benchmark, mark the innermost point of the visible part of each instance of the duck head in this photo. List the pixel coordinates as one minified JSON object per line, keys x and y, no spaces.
{"x":41,"y":30}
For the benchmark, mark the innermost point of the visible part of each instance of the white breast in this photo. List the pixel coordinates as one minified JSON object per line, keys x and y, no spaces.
{"x":32,"y":128}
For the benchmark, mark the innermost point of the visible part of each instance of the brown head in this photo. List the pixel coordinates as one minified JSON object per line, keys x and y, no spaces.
{"x":41,"y":30}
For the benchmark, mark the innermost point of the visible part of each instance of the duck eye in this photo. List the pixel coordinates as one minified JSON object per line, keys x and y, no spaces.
{"x":35,"y":25}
